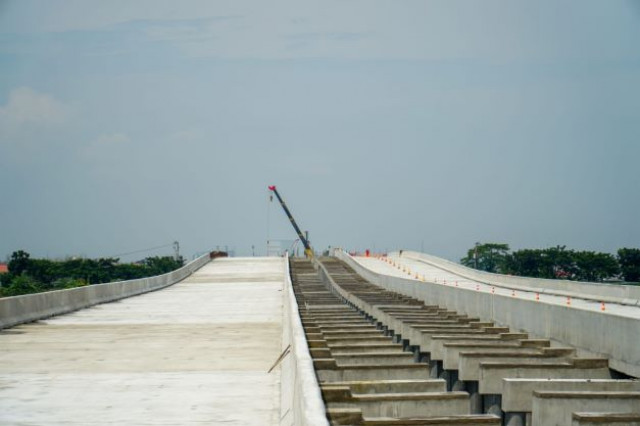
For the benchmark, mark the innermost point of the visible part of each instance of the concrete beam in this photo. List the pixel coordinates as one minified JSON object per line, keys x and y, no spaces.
{"x":407,"y":405}
{"x":605,"y":419}
{"x":469,"y":362}
{"x":492,"y":373}
{"x":555,"y":408}
{"x":517,"y":393}
{"x":391,"y":386}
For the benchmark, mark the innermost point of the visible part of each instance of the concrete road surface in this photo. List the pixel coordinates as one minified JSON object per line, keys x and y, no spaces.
{"x":195,"y":353}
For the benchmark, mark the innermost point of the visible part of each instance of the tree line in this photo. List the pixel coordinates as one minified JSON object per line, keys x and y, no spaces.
{"x":555,"y":262}
{"x":27,"y":275}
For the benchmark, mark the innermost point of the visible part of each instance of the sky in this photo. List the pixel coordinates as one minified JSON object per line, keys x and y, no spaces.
{"x":415,"y":124}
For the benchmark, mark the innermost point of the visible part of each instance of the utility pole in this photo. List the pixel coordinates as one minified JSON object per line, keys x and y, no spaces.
{"x":176,"y":250}
{"x":475,"y":256}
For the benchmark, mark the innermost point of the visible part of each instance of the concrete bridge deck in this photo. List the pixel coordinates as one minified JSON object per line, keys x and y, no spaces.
{"x":185,"y":355}
{"x":402,"y":349}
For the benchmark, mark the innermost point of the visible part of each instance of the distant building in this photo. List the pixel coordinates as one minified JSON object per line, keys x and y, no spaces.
{"x":4,"y":268}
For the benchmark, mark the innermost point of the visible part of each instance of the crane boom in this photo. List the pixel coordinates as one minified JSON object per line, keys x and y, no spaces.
{"x":307,"y":247}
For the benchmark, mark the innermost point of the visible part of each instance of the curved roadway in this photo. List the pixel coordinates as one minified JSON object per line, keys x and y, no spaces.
{"x":404,"y":267}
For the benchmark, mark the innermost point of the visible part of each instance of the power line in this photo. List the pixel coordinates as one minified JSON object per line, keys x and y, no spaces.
{"x":142,"y":251}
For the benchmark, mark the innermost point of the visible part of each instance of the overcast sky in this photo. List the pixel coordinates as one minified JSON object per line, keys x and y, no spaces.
{"x":385,"y":124}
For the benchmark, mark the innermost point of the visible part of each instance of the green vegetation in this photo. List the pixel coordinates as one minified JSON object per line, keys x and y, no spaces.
{"x":27,"y":275}
{"x":488,"y":257}
{"x":555,"y":262}
{"x":629,"y":260}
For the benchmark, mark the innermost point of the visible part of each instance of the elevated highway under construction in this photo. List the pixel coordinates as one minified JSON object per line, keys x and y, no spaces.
{"x":402,"y":339}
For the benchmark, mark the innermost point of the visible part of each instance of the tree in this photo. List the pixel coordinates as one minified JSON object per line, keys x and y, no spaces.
{"x":629,"y":260}
{"x":526,"y":263}
{"x":64,"y":283}
{"x":558,"y":263}
{"x":555,"y":262}
{"x":5,"y":279}
{"x":488,"y":257}
{"x":162,"y":265}
{"x":19,"y":262}
{"x":22,"y":284}
{"x":592,"y":266}
{"x":28,"y":275}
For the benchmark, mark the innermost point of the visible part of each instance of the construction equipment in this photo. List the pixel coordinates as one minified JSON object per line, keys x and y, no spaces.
{"x":307,"y":247}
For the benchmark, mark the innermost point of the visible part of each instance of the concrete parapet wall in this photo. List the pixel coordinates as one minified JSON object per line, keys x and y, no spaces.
{"x":596,"y":333}
{"x":32,"y":307}
{"x":301,"y":402}
{"x":627,"y":294}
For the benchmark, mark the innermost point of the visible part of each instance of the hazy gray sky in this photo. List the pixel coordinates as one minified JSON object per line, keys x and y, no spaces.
{"x":386,"y":124}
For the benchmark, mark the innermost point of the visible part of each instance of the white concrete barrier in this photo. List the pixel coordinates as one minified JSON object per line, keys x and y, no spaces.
{"x":625,"y":294}
{"x":32,"y":307}
{"x":595,"y":333}
{"x":301,"y":402}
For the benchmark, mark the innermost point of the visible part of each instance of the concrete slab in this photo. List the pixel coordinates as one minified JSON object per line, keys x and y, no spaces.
{"x":189,"y":354}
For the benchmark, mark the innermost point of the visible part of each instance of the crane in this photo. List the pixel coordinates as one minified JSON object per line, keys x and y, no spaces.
{"x":308,"y":251}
